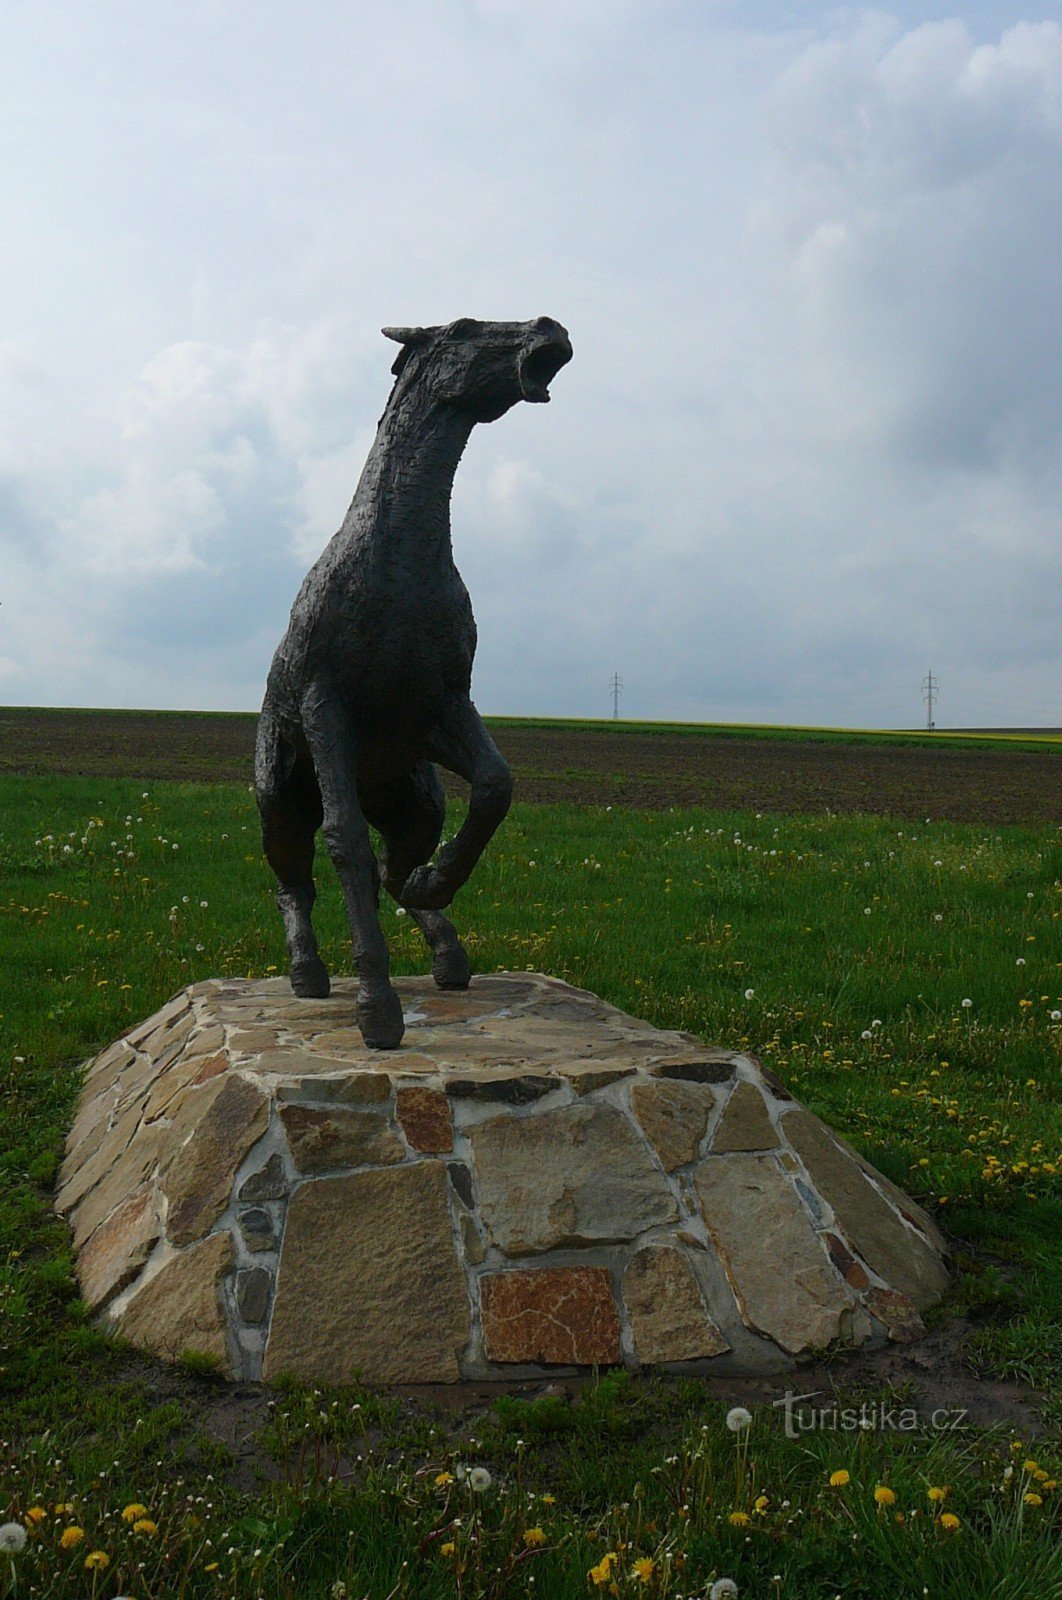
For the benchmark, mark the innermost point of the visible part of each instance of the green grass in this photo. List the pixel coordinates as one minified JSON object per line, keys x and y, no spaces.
{"x":859,"y":939}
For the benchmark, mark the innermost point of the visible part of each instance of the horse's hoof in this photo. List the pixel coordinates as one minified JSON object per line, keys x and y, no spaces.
{"x":380,"y":1020}
{"x":426,"y":890}
{"x":450,"y":969}
{"x":309,"y":979}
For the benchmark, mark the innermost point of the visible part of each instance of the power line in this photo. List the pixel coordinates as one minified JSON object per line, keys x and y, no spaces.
{"x":616,"y":689}
{"x":930,"y":685}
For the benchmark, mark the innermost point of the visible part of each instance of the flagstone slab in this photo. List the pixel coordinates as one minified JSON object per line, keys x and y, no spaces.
{"x":668,"y":1316}
{"x":381,"y":1296}
{"x":555,"y":1315}
{"x":533,"y":1180}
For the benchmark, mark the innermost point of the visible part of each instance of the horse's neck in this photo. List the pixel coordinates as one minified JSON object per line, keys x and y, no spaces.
{"x":402,"y":504}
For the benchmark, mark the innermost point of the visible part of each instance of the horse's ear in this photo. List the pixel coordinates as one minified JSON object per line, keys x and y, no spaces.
{"x":409,"y":339}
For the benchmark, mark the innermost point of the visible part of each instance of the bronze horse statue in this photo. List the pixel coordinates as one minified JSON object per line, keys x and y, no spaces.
{"x":370,"y":685}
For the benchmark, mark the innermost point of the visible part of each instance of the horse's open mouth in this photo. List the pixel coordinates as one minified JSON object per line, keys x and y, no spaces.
{"x":540,"y":365}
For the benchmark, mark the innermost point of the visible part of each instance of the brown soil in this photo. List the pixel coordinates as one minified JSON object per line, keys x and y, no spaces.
{"x":891,"y":1387}
{"x":591,"y":766}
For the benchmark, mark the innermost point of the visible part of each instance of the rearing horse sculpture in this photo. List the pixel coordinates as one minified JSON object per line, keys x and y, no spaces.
{"x":370,"y":684}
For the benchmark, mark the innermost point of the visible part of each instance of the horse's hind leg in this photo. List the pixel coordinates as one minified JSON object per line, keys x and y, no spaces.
{"x":289,"y":803}
{"x":409,"y":817}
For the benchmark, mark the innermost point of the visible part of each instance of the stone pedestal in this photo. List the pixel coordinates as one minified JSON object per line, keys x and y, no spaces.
{"x":533,"y":1181}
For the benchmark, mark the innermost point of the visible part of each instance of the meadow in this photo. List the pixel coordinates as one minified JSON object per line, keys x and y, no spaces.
{"x":902,"y":976}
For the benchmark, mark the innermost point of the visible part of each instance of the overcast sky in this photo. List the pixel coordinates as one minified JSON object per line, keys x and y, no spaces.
{"x":809,"y":446}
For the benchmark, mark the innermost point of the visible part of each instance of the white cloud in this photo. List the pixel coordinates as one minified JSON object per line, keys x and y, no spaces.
{"x":810,"y":443}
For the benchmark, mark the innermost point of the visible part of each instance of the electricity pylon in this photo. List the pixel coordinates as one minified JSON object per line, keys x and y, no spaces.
{"x":930,"y":685}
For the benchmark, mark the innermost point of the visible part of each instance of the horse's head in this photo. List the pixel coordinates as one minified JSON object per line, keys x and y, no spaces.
{"x":483,"y":367}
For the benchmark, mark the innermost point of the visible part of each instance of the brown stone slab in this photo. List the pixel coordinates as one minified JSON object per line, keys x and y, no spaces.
{"x":553,"y":1315}
{"x":897,"y":1313}
{"x":119,"y":1248}
{"x":87,"y":1134}
{"x":699,"y":1071}
{"x":666,"y":1310}
{"x":745,"y":1123}
{"x":574,"y":1175}
{"x":586,"y":1077}
{"x":104,"y":1070}
{"x":137,"y":1163}
{"x":268,"y":1183}
{"x":675,"y":1118}
{"x":198,"y":1181}
{"x":180,"y":1308}
{"x":779,"y":1271}
{"x":520,"y":1089}
{"x":344,"y":1088}
{"x":903,"y":1258}
{"x":851,"y":1270}
{"x":207,"y":1042}
{"x":296,"y":1062}
{"x":369,"y":1283}
{"x":322,"y":1140}
{"x":425,"y":1118}
{"x":81,"y":1172}
{"x":252,"y":1041}
{"x":159,"y":1020}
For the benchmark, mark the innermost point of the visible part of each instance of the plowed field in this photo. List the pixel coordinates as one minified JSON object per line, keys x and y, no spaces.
{"x":594,"y":765}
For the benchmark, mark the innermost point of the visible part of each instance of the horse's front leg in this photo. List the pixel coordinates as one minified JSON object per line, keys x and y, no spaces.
{"x":462,"y":744}
{"x":334,"y":751}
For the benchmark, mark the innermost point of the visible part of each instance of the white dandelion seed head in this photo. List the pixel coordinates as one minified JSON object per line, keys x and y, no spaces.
{"x":12,"y":1538}
{"x":967,"y":1004}
{"x":1020,"y":961}
{"x":738,"y":1419}
{"x":1056,"y":1016}
{"x":749,"y":993}
{"x":866,"y":1034}
{"x":479,"y":1479}
{"x":723,"y":1589}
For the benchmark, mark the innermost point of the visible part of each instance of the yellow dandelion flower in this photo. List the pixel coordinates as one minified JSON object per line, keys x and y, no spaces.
{"x":448,"y":1548}
{"x":761,"y":1503}
{"x":70,"y":1537}
{"x":1050,"y":1483}
{"x":211,"y":1566}
{"x":134,"y":1512}
{"x":549,"y":1499}
{"x":884,"y":1495}
{"x":35,"y":1515}
{"x":145,"y":1525}
{"x":1033,"y":1499}
{"x":936,"y":1494}
{"x":442,"y":1479}
{"x":950,"y":1521}
{"x":1030,"y":1465}
{"x":64,"y":1508}
{"x":601,"y":1574}
{"x":1040,"y":1475}
{"x":96,"y":1560}
{"x":643,"y":1569}
{"x":533,"y":1536}
{"x":839,"y":1479}
{"x":738,"y":1519}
